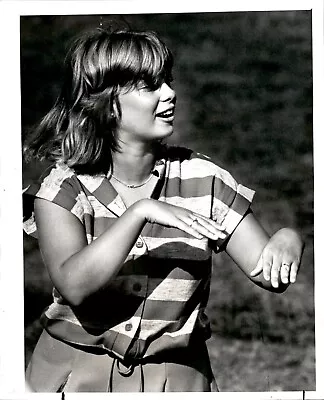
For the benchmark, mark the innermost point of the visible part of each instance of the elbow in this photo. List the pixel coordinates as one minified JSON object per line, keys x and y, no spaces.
{"x":69,"y":288}
{"x":72,"y":296}
{"x":74,"y":299}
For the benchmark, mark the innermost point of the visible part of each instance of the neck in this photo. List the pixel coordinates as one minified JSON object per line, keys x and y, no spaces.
{"x":133,"y":164}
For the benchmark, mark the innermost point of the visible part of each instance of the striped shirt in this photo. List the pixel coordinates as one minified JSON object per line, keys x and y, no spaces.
{"x":157,"y":301}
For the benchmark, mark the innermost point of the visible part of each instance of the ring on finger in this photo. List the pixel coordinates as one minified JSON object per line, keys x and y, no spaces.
{"x":193,"y":221}
{"x":285,"y":265}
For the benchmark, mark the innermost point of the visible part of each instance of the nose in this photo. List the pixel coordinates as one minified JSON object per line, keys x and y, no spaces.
{"x":167,"y":93}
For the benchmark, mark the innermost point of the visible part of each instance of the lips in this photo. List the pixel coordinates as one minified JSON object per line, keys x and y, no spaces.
{"x":169,"y":113}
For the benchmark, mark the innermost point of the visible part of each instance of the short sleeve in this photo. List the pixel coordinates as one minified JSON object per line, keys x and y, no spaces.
{"x":60,"y":186}
{"x":230,"y":202}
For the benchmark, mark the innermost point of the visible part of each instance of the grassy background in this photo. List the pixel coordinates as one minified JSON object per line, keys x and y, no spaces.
{"x":244,"y":86}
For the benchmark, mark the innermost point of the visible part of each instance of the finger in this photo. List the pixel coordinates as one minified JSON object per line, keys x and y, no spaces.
{"x":208,"y":229}
{"x":185,"y":227}
{"x":294,"y":271}
{"x":258,"y":269}
{"x":284,"y":271}
{"x":208,"y":222}
{"x":275,"y":270}
{"x":213,"y":234}
{"x":266,"y":265}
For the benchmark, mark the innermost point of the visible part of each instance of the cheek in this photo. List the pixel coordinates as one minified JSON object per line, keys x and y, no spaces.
{"x":139,"y":107}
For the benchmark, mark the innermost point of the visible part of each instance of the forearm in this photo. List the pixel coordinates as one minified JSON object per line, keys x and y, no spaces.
{"x":281,"y":259}
{"x":270,"y":262}
{"x":92,"y":267}
{"x":78,"y":269}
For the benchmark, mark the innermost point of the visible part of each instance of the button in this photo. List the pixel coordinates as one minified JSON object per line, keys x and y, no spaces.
{"x":128,"y":327}
{"x":139,"y":244}
{"x":137,"y":287}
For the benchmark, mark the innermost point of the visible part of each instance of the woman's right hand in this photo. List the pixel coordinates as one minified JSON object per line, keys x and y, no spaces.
{"x":169,"y":215}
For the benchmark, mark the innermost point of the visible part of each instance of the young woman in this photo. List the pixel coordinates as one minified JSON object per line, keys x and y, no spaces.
{"x":127,"y":225}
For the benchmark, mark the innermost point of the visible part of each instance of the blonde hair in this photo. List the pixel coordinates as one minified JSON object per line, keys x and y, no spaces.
{"x":80,"y":129}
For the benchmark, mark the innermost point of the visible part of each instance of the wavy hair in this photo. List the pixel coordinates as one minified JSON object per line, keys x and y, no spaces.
{"x":80,"y":129}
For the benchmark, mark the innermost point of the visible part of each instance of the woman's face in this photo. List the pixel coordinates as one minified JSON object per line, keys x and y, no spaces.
{"x":146,"y":114}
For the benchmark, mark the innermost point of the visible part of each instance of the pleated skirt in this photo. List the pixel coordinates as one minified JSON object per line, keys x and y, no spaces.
{"x":56,"y":367}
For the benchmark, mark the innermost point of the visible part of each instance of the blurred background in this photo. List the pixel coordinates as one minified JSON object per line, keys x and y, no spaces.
{"x":244,"y":87}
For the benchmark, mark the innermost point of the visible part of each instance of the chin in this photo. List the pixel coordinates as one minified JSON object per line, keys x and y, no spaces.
{"x":167,"y":134}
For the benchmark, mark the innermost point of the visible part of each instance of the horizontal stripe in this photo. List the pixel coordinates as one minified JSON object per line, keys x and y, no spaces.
{"x":105,"y":317}
{"x":169,"y":345}
{"x":167,"y":289}
{"x":62,"y":312}
{"x":164,"y":281}
{"x":191,"y":187}
{"x":231,"y":221}
{"x":199,"y":204}
{"x":187,"y":327}
{"x":246,"y":192}
{"x":134,"y":285}
{"x":155,"y":242}
{"x":76,"y":335}
{"x":169,"y":310}
{"x":171,"y":289}
{"x":181,"y":251}
{"x":128,"y":328}
{"x":150,"y":326}
{"x":199,"y":168}
{"x":159,"y":268}
{"x":51,"y":185}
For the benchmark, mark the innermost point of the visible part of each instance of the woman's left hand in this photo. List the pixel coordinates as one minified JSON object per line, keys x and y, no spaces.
{"x":280,"y":258}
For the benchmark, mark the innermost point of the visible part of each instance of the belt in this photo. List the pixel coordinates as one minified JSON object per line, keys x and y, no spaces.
{"x":125,"y":371}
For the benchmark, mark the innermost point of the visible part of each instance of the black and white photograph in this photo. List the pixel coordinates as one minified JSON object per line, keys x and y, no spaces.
{"x":167,"y":202}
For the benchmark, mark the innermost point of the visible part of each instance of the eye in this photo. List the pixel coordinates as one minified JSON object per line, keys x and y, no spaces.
{"x":148,"y":86}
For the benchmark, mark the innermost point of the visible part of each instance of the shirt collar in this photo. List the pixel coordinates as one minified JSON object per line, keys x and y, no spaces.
{"x":101,"y":188}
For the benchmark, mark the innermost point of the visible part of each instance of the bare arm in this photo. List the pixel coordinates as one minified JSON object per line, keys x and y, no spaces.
{"x":78,"y":269}
{"x":254,"y":252}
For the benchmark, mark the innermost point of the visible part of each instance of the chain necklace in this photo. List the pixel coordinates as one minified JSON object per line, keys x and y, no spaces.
{"x":133,"y":186}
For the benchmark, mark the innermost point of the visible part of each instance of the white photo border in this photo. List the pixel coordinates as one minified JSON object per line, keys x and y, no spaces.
{"x":12,"y":384}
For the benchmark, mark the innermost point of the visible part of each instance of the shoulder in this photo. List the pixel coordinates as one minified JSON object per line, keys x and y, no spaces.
{"x":55,"y":178}
{"x":195,"y":164}
{"x":57,"y":184}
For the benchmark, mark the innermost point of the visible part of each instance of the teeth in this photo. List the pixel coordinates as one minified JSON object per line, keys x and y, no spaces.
{"x":166,"y":114}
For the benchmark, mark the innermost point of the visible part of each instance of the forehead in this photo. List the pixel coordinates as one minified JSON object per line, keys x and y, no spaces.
{"x":142,"y":58}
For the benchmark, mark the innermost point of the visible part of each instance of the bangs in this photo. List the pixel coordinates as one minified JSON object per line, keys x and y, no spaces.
{"x":141,"y":58}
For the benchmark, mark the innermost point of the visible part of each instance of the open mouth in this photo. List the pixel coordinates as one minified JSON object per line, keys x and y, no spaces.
{"x":166,"y":114}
